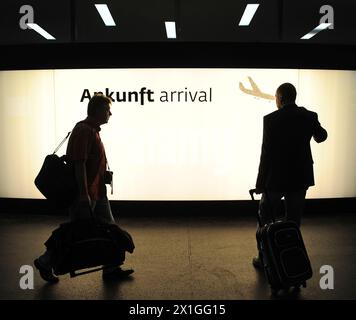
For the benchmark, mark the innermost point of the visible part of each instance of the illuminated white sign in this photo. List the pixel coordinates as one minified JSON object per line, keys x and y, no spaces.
{"x":182,"y":134}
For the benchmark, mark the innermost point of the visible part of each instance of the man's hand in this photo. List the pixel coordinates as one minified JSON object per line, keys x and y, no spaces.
{"x":85,"y":199}
{"x":257,"y":191}
{"x":84,"y":207}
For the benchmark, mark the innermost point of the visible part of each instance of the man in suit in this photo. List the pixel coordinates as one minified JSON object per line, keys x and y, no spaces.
{"x":286,"y":163}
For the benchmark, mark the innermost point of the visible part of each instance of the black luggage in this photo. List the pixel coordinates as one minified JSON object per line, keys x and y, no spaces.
{"x":56,"y":179}
{"x":87,"y":244}
{"x":283,"y":254}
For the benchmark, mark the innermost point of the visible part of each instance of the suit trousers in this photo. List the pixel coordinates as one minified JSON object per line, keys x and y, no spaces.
{"x":270,"y":205}
{"x":100,"y":209}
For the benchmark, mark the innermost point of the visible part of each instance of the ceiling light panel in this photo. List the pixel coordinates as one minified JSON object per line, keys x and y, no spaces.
{"x":105,"y":15}
{"x":319,"y":28}
{"x":248,"y":14}
{"x":135,"y":20}
{"x":171,"y":29}
{"x":51,"y":22}
{"x":226,"y":21}
{"x":41,"y":31}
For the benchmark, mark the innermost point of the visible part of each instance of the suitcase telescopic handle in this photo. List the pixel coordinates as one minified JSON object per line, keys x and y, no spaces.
{"x":252,"y":191}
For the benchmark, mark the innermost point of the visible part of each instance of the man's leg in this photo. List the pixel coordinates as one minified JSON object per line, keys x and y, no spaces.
{"x":79,"y":211}
{"x":44,"y":263}
{"x":294,"y":202}
{"x":269,"y":206}
{"x":102,"y":211}
{"x":44,"y":266}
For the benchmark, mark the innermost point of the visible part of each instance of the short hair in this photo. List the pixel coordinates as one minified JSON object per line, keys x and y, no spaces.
{"x":97,"y":102}
{"x":288,"y":92}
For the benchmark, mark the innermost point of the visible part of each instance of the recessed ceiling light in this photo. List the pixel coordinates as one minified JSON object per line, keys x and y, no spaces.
{"x":249,"y":13}
{"x":171,"y":29}
{"x":105,"y":15}
{"x":42,"y":32}
{"x":319,"y":28}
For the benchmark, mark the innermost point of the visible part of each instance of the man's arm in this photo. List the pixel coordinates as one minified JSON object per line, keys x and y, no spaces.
{"x":81,"y":178}
{"x":319,"y":134}
{"x":80,"y":146}
{"x":260,"y":183}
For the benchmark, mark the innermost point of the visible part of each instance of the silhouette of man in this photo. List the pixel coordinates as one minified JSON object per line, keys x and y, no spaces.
{"x":286,"y":163}
{"x":86,"y":151}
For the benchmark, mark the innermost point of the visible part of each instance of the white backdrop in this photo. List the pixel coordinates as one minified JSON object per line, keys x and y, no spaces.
{"x":174,"y":150}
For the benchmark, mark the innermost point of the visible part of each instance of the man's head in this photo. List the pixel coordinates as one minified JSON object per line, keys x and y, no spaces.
{"x":99,"y":108}
{"x":285,"y":94}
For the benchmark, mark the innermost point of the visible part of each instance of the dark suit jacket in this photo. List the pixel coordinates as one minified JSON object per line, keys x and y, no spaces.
{"x":286,"y":162}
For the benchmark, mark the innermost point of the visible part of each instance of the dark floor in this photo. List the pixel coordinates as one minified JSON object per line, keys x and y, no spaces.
{"x":181,"y":258}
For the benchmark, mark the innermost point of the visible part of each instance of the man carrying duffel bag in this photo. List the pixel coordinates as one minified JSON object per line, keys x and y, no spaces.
{"x":86,"y":152}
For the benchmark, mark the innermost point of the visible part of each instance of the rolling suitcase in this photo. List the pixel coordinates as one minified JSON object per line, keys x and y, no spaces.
{"x":283,"y":255}
{"x":87,"y":244}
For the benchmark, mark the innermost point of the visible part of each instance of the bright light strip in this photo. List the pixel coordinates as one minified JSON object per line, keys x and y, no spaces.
{"x":319,"y":28}
{"x":248,"y":14}
{"x":171,"y":29}
{"x":42,"y":32}
{"x":105,"y":15}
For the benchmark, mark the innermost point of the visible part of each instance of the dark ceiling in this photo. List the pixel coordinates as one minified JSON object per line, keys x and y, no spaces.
{"x":275,"y":21}
{"x":208,"y":34}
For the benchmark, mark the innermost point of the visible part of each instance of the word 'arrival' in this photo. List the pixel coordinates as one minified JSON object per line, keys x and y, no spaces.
{"x":147,"y":95}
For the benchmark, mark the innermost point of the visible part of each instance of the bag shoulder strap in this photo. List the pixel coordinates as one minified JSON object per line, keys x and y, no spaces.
{"x":64,"y":140}
{"x":54,"y":152}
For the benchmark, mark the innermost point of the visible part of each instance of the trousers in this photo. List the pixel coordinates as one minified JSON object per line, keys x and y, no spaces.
{"x":100,"y":209}
{"x":270,"y":205}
